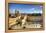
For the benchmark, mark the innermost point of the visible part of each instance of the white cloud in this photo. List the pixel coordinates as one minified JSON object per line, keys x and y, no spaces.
{"x":39,"y":11}
{"x":12,"y":11}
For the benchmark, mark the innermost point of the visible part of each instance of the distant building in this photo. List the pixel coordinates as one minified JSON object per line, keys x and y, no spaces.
{"x":14,"y":14}
{"x":17,"y":13}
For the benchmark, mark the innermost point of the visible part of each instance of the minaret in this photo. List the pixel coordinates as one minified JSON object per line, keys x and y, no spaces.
{"x":16,"y":13}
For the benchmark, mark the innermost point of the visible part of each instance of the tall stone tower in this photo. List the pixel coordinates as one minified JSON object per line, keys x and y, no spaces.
{"x":16,"y":13}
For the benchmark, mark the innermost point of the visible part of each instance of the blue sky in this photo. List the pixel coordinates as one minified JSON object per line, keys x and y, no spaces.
{"x":25,"y":8}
